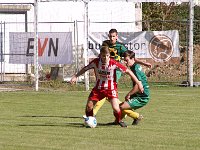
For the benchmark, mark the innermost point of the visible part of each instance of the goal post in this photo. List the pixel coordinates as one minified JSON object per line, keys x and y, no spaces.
{"x":86,"y":36}
{"x":36,"y":44}
{"x":190,"y":58}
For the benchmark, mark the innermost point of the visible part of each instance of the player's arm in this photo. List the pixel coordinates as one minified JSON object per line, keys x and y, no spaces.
{"x":75,"y":76}
{"x":135,"y":79}
{"x":82,"y":71}
{"x":134,"y":90}
{"x":131,"y":74}
{"x":143,"y":63}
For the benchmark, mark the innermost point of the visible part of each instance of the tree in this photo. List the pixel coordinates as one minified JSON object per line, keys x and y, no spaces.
{"x":163,"y":16}
{"x":197,"y":24}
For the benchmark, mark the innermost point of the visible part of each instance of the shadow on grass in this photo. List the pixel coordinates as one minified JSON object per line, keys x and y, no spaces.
{"x":69,"y":124}
{"x":43,"y":116}
{"x":75,"y":124}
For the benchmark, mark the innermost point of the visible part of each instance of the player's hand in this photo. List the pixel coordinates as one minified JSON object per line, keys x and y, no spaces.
{"x":127,"y":97}
{"x":73,"y":79}
{"x":149,"y":65}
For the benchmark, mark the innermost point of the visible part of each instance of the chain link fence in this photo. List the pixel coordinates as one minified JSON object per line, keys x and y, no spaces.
{"x":175,"y":70}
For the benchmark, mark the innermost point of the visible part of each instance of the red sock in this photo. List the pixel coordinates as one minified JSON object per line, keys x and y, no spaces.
{"x":89,"y":113}
{"x":117,"y":116}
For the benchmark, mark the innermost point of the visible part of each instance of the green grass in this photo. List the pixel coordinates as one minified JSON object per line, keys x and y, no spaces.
{"x":52,"y":121}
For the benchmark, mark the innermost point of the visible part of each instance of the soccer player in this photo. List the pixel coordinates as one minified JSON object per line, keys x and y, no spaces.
{"x":116,"y":51}
{"x":106,"y":84}
{"x":135,"y":99}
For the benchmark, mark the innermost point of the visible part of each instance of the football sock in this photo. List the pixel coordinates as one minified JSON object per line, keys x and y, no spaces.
{"x":89,"y":113}
{"x":98,"y":105}
{"x":117,"y":116}
{"x":131,"y":113}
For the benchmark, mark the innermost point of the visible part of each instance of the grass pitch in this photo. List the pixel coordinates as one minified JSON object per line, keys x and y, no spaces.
{"x":53,"y":121}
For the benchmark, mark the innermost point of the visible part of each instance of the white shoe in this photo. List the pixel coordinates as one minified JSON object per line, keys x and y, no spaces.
{"x":84,"y":116}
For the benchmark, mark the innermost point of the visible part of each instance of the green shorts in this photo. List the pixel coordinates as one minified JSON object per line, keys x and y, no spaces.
{"x":138,"y":102}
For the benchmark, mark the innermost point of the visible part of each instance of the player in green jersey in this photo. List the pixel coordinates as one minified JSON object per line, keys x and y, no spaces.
{"x":116,"y":51}
{"x":135,"y":99}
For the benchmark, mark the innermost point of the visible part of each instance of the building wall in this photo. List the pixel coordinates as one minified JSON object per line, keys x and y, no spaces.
{"x":69,"y":16}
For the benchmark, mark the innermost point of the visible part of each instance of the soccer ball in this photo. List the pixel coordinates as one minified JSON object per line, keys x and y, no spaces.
{"x":90,"y":122}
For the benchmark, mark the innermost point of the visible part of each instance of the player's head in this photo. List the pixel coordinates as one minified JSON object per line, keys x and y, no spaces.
{"x":129,"y":58}
{"x":113,"y":36}
{"x":105,"y":54}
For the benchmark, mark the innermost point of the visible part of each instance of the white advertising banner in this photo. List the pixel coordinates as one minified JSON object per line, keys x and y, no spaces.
{"x":158,"y":45}
{"x":53,"y":48}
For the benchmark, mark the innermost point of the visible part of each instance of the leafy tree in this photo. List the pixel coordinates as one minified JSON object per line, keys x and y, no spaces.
{"x":197,"y":24}
{"x":163,"y":16}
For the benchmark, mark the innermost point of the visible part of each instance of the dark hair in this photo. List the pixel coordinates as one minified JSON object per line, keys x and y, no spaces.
{"x":113,"y":31}
{"x":105,"y":50}
{"x":129,"y":53}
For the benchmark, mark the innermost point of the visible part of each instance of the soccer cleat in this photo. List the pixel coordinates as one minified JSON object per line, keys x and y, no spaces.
{"x":84,"y":116}
{"x":122,"y":124}
{"x":136,"y":121}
